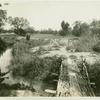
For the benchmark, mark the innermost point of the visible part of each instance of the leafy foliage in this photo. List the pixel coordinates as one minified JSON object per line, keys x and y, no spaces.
{"x":65,"y":28}
{"x":2,"y":17}
{"x":30,"y":30}
{"x":3,"y":14}
{"x":94,"y":75}
{"x":77,"y":28}
{"x":2,"y":46}
{"x":96,"y":47}
{"x":95,"y":27}
{"x":18,"y":24}
{"x":9,"y":39}
{"x":30,"y":67}
{"x":20,"y":31}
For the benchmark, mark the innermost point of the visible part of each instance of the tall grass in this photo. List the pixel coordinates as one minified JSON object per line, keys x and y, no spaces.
{"x":84,"y":43}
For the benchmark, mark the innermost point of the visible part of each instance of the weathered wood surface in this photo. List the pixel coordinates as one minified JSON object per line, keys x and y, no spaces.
{"x":72,"y":80}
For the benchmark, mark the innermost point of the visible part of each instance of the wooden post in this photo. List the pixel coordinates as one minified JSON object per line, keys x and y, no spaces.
{"x":28,"y":36}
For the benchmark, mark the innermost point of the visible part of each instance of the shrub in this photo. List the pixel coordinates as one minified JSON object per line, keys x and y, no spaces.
{"x":85,"y":43}
{"x":20,"y":31}
{"x":2,"y":46}
{"x":9,"y":39}
{"x":30,"y":67}
{"x":97,"y":47}
{"x":94,"y":75}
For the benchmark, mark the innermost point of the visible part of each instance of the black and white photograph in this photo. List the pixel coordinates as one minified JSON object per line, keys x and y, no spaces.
{"x":50,"y":48}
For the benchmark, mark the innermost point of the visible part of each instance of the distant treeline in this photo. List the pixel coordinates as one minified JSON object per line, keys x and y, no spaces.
{"x":78,"y":29}
{"x":21,"y":26}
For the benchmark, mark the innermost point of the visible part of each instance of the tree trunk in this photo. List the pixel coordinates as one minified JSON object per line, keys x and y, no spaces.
{"x":71,"y":81}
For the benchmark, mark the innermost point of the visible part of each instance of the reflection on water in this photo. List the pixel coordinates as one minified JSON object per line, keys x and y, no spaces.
{"x":5,"y":61}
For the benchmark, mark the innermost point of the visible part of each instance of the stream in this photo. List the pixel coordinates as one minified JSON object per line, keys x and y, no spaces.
{"x":5,"y":61}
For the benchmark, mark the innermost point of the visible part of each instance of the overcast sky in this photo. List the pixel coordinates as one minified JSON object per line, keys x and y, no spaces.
{"x":44,"y":14}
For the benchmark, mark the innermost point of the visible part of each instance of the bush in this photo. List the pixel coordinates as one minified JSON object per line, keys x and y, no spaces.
{"x":30,"y":67}
{"x":94,"y":75}
{"x":9,"y":39}
{"x":62,"y":33}
{"x":84,"y":43}
{"x":76,"y":33}
{"x":20,"y":31}
{"x":97,"y":47}
{"x":2,"y":46}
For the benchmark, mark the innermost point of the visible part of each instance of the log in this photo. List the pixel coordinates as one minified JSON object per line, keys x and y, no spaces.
{"x":71,"y":81}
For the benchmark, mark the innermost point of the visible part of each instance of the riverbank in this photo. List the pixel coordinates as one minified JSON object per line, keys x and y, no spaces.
{"x":36,"y":63}
{"x":28,"y":69}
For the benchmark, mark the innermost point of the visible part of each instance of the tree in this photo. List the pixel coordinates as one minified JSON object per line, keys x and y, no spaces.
{"x":20,"y":31}
{"x":3,"y":14}
{"x":77,"y":28}
{"x":30,"y":29}
{"x":80,"y":28}
{"x":18,"y":24}
{"x":65,"y":28}
{"x":95,"y":27}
